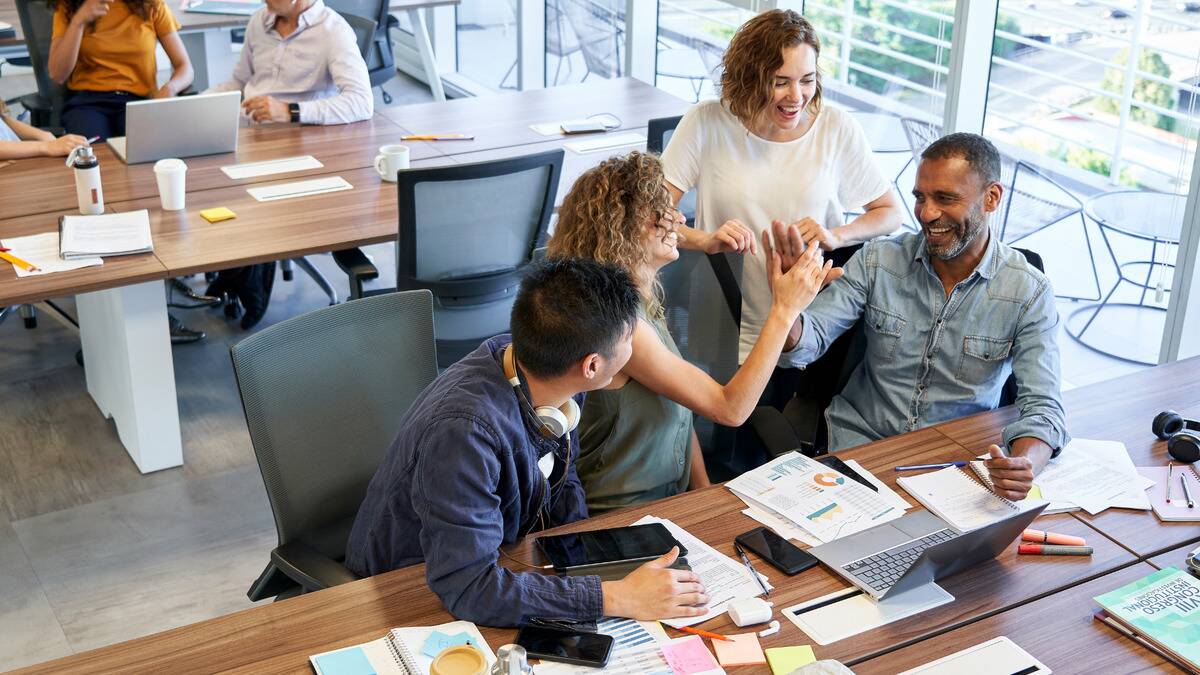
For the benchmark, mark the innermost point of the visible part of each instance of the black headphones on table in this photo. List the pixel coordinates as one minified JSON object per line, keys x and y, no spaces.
{"x":1182,"y":435}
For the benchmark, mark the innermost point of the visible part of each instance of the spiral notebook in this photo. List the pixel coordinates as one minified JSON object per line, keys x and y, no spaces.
{"x":403,"y":651}
{"x":958,"y":499}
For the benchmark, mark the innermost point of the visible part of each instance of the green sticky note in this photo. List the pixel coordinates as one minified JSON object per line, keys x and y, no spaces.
{"x":784,"y":660}
{"x":351,"y":661}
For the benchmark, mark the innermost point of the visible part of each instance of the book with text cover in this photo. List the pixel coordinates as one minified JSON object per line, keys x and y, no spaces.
{"x":1163,"y":608}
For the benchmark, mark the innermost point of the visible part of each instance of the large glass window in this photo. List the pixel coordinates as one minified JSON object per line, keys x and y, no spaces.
{"x":486,"y":32}
{"x":1094,"y":105}
{"x":585,"y":39}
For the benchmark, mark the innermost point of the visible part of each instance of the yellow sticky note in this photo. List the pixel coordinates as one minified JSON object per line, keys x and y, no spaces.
{"x":740,"y":650}
{"x":784,"y":660}
{"x":217,"y":215}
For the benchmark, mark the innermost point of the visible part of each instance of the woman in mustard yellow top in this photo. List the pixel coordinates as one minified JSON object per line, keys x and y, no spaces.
{"x":103,"y":51}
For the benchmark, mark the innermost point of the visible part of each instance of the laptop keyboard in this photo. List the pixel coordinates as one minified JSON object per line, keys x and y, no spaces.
{"x":881,"y":570}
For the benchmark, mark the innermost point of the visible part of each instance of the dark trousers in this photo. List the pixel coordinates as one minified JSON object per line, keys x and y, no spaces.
{"x":96,"y":113}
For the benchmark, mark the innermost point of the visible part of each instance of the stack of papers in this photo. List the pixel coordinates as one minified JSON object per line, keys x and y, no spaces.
{"x":109,"y":234}
{"x":636,"y":651}
{"x":814,"y":498}
{"x":724,"y":578}
{"x":42,"y":250}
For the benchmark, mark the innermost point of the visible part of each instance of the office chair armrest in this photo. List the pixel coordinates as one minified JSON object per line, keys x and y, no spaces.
{"x":775,"y":432}
{"x":309,"y":568}
{"x":358,"y":267}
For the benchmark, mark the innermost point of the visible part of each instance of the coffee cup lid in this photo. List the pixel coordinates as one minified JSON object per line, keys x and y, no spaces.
{"x":458,"y":660}
{"x":170,"y":164}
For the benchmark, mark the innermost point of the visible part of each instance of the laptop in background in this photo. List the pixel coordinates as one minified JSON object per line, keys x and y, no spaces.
{"x":234,"y":7}
{"x":181,"y":126}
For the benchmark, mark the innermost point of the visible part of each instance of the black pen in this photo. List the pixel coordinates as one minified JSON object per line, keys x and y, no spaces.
{"x":750,"y":566}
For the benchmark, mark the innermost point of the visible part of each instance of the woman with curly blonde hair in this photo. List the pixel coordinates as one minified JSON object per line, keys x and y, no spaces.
{"x":636,"y":439}
{"x":772,"y":151}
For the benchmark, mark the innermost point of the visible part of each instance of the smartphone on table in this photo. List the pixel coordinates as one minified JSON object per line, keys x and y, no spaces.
{"x":781,"y":553}
{"x":581,"y":648}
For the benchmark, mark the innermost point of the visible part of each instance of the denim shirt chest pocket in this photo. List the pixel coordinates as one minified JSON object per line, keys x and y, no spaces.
{"x":982,"y":359}
{"x":884,"y":329}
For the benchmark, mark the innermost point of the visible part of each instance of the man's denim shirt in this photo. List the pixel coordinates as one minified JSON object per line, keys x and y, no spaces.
{"x":460,"y":481}
{"x":932,"y":358}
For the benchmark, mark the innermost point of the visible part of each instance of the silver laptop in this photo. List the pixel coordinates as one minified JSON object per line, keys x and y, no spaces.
{"x":181,"y":126}
{"x":916,"y":549}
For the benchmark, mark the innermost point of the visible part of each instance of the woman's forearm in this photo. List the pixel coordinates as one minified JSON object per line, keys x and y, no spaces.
{"x":876,"y":222}
{"x":64,"y":52}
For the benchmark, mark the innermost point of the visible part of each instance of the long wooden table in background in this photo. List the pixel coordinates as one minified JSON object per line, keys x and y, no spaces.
{"x":1042,"y":603}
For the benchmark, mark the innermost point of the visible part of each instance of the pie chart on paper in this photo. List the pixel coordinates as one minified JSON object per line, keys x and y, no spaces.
{"x":828,"y":479}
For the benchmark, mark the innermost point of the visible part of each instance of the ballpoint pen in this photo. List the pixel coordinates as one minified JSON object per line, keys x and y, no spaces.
{"x":939,"y":465}
{"x":1170,"y":475}
{"x":750,"y":566}
{"x":438,"y":137}
{"x":1186,"y":493}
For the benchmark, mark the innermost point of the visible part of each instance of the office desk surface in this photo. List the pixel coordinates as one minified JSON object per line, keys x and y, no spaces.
{"x":1058,"y":630}
{"x":46,"y":184}
{"x":503,"y":121}
{"x":278,"y":637}
{"x":1120,"y":409}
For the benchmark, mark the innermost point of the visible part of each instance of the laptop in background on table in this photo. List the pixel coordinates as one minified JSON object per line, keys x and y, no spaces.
{"x":233,"y":7}
{"x":181,"y":126}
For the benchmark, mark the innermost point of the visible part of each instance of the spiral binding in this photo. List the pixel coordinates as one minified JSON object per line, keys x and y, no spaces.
{"x":981,"y":470}
{"x":400,"y":653}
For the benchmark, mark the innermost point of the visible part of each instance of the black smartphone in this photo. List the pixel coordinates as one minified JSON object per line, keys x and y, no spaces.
{"x":841,"y":467}
{"x":587,"y":550}
{"x":578,"y":647}
{"x":781,"y":553}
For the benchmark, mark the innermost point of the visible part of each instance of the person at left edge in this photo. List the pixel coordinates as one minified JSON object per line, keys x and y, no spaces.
{"x":485,"y":455}
{"x":104,"y":52}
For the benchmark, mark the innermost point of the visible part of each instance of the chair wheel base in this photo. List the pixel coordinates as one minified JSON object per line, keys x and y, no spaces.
{"x":30,"y":322}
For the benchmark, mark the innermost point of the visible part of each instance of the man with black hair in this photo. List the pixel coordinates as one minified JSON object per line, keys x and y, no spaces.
{"x":485,"y":456}
{"x":948,"y":312}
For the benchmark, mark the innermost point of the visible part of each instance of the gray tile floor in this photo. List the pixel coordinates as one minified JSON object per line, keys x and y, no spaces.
{"x":92,"y":553}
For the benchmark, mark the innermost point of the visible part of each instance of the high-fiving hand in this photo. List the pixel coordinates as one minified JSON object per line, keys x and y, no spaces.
{"x":794,"y":289}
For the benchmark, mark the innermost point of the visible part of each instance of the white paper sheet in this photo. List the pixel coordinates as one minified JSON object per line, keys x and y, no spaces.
{"x":105,"y":234}
{"x":606,"y":142}
{"x":822,"y":502}
{"x":857,"y":613}
{"x":271,"y":166}
{"x":780,"y":526}
{"x":960,"y":500}
{"x":724,"y":578}
{"x":1093,"y":475}
{"x":635,"y":650}
{"x":999,"y":655}
{"x":302,"y":188}
{"x":42,"y":250}
{"x":886,"y":493}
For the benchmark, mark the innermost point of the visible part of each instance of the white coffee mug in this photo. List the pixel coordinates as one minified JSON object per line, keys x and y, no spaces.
{"x":391,"y":159}
{"x":171,"y":175}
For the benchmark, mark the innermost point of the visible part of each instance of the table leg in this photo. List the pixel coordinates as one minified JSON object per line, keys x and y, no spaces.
{"x":425,"y":47}
{"x":130,"y":376}
{"x":211,"y":53}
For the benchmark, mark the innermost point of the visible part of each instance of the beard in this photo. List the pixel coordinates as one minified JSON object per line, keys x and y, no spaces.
{"x":964,"y":233}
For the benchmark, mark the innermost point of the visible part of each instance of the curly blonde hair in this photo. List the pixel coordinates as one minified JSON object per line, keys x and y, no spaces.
{"x":753,"y":56}
{"x":604,"y":215}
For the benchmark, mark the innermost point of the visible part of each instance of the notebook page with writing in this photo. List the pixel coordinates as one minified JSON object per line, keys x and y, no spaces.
{"x":957,"y":499}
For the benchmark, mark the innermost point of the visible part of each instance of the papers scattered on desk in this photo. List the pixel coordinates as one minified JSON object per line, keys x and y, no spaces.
{"x":271,"y":167}
{"x":302,"y":188}
{"x":606,"y":142}
{"x":636,"y":651}
{"x":848,"y":612}
{"x":1089,"y":475}
{"x":109,"y":234}
{"x":813,"y":497}
{"x":724,"y":578}
{"x":42,"y":250}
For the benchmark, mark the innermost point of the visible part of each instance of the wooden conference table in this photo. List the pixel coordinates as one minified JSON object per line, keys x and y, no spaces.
{"x":1042,"y":603}
{"x":122,"y":308}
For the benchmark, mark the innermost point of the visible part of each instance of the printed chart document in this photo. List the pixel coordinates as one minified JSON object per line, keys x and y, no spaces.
{"x":1000,"y":656}
{"x":42,"y":250}
{"x":848,"y":612}
{"x":819,"y":500}
{"x":724,"y":578}
{"x":302,"y":188}
{"x":271,"y":166}
{"x":636,"y":651}
{"x":109,"y":234}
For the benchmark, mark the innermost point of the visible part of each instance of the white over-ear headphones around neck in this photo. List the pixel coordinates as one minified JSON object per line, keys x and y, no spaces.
{"x":553,"y":422}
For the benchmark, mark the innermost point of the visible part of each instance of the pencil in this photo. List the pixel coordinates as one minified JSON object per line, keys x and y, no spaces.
{"x":23,"y":264}
{"x":704,"y":633}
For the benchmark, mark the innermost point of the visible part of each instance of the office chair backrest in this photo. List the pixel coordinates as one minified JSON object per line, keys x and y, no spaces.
{"x":364,"y":32}
{"x":323,"y":395}
{"x":658,"y":135}
{"x":381,"y":64}
{"x":37,"y":23}
{"x":466,"y":232}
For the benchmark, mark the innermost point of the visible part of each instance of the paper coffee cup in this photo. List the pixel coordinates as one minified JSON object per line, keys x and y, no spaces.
{"x":172,"y":180}
{"x":459,"y":660}
{"x":391,"y":160}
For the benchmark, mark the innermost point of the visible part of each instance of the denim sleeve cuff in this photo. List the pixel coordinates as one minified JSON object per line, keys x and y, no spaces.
{"x":1038,"y":427}
{"x":591,"y":598}
{"x":803,"y":353}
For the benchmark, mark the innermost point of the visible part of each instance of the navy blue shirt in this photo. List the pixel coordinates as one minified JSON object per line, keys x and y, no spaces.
{"x":460,"y":481}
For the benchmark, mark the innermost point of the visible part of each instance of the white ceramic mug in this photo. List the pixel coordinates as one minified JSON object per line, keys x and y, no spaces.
{"x":172,"y":177}
{"x":390,"y":160}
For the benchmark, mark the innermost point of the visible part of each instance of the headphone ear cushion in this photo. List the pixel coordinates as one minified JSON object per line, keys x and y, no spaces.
{"x":1184,"y":447}
{"x":555,"y":423}
{"x":572,"y":414}
{"x":1166,"y":424}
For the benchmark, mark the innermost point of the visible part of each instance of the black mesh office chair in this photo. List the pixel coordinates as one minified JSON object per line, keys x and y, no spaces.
{"x":323,"y":395}
{"x":466,"y":233}
{"x":799,"y":425}
{"x":658,"y":135}
{"x":381,"y":63}
{"x":37,"y":21}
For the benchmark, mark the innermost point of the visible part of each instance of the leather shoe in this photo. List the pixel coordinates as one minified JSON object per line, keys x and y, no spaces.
{"x":181,"y":334}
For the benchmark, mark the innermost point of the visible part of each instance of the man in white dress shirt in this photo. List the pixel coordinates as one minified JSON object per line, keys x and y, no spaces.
{"x":300,"y":63}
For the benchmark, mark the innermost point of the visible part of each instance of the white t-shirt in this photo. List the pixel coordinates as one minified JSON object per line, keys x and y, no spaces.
{"x":738,"y":175}
{"x":6,"y":132}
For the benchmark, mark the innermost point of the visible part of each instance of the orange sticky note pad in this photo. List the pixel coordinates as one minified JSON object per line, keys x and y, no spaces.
{"x":740,"y":650}
{"x":217,"y":215}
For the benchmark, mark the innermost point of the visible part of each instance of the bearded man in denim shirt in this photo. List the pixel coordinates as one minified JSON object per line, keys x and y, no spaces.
{"x":949,"y":312}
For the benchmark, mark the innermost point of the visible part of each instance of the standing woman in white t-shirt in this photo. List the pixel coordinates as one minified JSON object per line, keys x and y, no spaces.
{"x":769,"y":150}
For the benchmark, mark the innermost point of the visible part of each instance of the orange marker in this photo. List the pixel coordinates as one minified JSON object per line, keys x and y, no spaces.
{"x":704,"y":633}
{"x":1041,"y":537}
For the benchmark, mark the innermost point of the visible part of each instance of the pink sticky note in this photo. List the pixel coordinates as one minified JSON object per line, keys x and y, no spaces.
{"x":741,"y":650}
{"x":689,"y":655}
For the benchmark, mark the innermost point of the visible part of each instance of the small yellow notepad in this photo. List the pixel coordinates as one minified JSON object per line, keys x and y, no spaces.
{"x":217,"y":215}
{"x":784,"y":660}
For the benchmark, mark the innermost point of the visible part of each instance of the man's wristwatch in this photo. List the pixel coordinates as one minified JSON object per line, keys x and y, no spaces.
{"x":294,"y":111}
